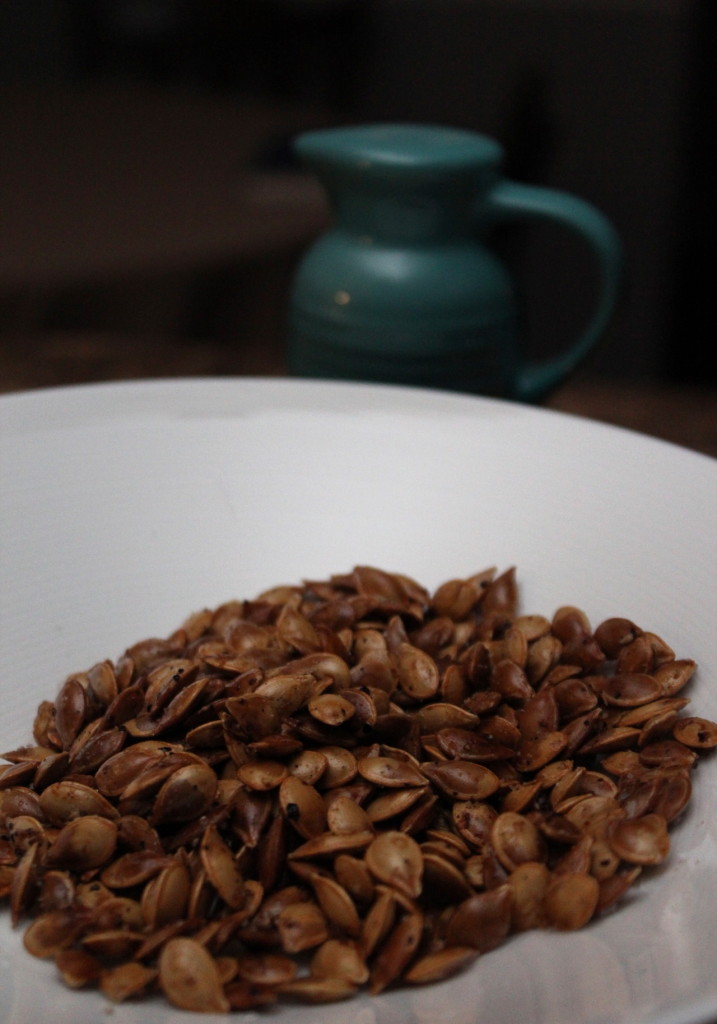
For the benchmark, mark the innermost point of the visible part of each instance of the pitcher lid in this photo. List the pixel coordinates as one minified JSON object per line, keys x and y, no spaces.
{"x":400,"y":147}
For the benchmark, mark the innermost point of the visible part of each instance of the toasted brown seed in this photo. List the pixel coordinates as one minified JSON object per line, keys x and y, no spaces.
{"x":63,"y":801}
{"x":340,"y":958}
{"x":571,"y":900}
{"x":126,"y":981}
{"x":462,"y":780}
{"x":186,"y":795}
{"x":392,"y":803}
{"x":112,"y":943}
{"x":378,"y":921}
{"x":267,"y":968}
{"x":536,"y":753}
{"x":262,"y":775}
{"x":340,"y":769}
{"x":331,"y":709}
{"x":443,"y":881}
{"x":640,"y":840}
{"x":396,"y":859}
{"x":418,"y":674}
{"x":222,"y":869}
{"x":301,"y":926}
{"x":53,"y":931}
{"x":440,"y":965}
{"x":345,"y":816}
{"x":673,"y":676}
{"x":396,"y":953}
{"x":474,"y":821}
{"x":71,"y":709}
{"x":115,"y":774}
{"x":667,"y":754}
{"x":481,"y":921}
{"x":328,"y":844}
{"x":83,"y":844}
{"x":528,"y":885}
{"x":318,"y":990}
{"x":615,"y":633}
{"x":377,"y":723}
{"x":391,"y":772}
{"x":308,"y":766}
{"x":697,"y":733}
{"x":134,"y":868}
{"x":189,"y":977}
{"x":165,"y":897}
{"x":78,"y":968}
{"x":337,"y":904}
{"x":468,"y":745}
{"x":630,"y":689}
{"x":516,"y":840}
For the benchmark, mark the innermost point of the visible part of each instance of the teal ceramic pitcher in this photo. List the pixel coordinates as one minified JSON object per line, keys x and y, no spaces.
{"x":403,"y":289}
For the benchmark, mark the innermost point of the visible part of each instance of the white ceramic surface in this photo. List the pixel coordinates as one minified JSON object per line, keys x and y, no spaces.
{"x":125,"y":507}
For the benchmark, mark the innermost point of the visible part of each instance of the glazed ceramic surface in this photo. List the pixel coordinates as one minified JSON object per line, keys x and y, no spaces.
{"x":405,"y":287}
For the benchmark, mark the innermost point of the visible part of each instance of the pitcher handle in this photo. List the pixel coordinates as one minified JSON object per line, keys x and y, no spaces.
{"x":511,"y":200}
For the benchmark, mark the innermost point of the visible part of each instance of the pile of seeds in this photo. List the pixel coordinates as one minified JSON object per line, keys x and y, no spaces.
{"x":344,"y":784}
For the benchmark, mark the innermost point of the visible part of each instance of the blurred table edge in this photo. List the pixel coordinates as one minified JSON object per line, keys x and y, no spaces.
{"x":681,"y":414}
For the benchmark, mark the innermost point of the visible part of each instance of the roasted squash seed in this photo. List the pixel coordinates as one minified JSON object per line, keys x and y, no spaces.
{"x":342,"y":786}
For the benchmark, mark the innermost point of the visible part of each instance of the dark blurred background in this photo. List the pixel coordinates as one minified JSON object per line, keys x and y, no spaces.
{"x":610,"y":99}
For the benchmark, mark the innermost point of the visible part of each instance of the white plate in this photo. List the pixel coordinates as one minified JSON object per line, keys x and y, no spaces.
{"x":125,"y":507}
